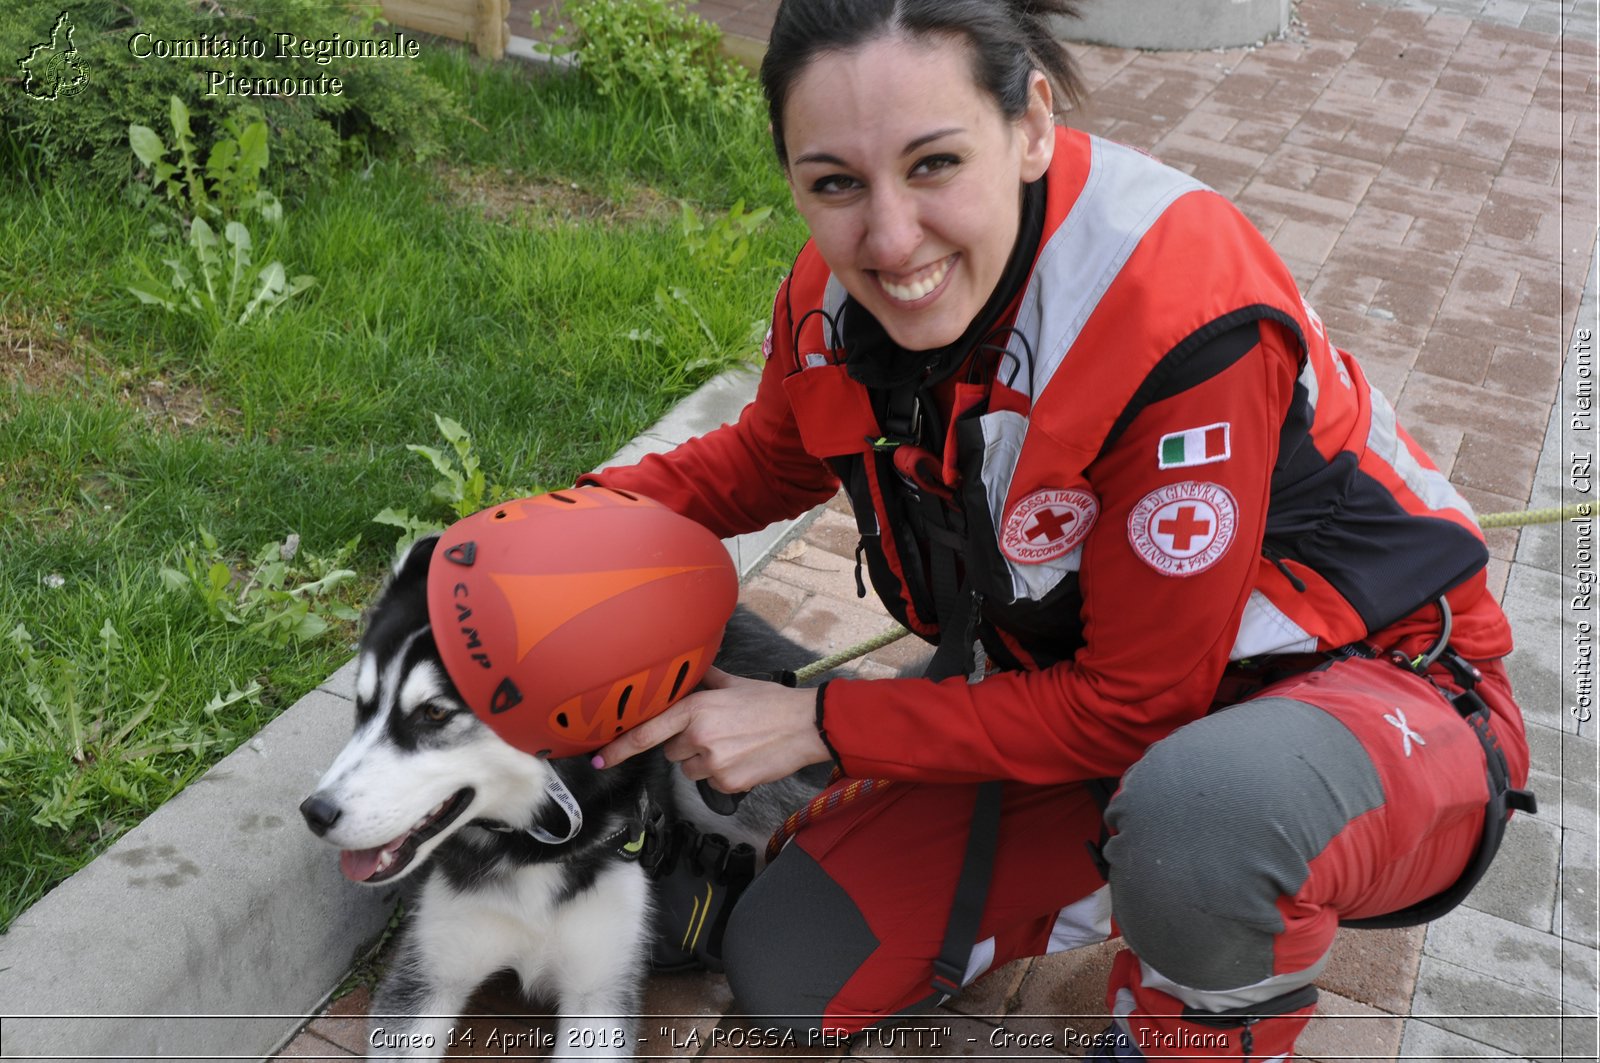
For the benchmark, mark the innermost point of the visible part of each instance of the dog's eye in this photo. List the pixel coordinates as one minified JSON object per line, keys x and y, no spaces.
{"x":437,"y":712}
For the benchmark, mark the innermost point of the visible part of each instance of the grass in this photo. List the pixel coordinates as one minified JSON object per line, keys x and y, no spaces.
{"x":553,"y":332}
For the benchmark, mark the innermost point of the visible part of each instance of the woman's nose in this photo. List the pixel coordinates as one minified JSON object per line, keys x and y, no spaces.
{"x":894,"y":229}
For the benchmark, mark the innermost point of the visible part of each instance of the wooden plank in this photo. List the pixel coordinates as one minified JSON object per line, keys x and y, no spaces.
{"x":493,"y":31}
{"x":482,"y":23}
{"x":455,"y":19}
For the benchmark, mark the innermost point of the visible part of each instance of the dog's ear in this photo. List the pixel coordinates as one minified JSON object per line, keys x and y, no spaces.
{"x":413,"y":564}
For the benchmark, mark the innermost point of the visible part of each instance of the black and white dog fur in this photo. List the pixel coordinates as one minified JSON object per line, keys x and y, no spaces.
{"x":424,"y":789}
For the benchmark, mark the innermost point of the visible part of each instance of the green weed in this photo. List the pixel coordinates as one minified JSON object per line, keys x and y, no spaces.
{"x":216,"y":281}
{"x":462,"y":488}
{"x":280,"y":596}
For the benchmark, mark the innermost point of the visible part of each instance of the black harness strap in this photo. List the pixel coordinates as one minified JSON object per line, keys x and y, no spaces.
{"x":938,"y":522}
{"x":1503,"y":799}
{"x":972,"y":891}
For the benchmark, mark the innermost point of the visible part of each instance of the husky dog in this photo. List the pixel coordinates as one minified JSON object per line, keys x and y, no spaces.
{"x":425,"y":789}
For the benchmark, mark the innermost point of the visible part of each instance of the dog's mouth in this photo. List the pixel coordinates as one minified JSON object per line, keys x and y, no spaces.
{"x":391,"y":858}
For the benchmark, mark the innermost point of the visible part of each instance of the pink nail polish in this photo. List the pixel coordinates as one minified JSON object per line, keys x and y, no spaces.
{"x":597,"y":761}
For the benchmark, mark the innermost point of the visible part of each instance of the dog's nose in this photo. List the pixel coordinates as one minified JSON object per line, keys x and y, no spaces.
{"x":320,"y":814}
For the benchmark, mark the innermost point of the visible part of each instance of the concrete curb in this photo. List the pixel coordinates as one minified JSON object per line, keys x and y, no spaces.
{"x":218,"y":924}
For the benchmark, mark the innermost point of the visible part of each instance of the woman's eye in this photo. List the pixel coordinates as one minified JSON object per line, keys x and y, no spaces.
{"x":833,"y":184}
{"x":935,"y":163}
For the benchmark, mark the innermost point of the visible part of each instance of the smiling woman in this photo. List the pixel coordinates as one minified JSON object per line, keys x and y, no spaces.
{"x":912,"y":196}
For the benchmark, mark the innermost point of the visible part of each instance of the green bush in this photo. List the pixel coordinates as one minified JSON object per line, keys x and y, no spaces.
{"x":386,"y":104}
{"x":633,"y":47}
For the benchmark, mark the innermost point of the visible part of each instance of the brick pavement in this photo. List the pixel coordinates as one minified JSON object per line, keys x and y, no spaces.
{"x":1427,"y":170}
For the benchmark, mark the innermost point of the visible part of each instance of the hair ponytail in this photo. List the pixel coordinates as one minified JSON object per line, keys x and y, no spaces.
{"x":1046,"y":49}
{"x":1009,"y":39}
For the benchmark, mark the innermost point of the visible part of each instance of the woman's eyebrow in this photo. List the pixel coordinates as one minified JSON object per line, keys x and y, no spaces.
{"x":928,"y":138}
{"x":910,"y":148}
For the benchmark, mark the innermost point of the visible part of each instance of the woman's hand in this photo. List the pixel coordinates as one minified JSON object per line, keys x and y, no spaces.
{"x":735,"y":733}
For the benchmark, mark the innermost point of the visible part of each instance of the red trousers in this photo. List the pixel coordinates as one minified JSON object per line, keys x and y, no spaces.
{"x":1240,"y":842}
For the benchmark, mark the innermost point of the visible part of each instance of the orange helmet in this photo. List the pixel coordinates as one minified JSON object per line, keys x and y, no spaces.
{"x":570,"y":617}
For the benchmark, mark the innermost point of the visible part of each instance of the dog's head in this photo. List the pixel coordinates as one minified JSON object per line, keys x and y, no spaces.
{"x":420,"y":766}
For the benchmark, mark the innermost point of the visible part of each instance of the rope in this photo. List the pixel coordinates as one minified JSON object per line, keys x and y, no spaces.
{"x":840,"y":792}
{"x":1536,"y":516}
{"x":845,"y":656}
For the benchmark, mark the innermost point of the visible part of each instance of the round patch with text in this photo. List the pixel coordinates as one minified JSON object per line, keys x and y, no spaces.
{"x":1183,"y":528}
{"x":1048,"y":524}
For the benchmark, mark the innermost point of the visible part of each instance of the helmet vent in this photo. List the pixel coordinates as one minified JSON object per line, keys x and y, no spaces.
{"x":559,"y":497}
{"x":561,"y":719}
{"x":625,"y":494}
{"x":622,"y":700}
{"x":677,"y":684}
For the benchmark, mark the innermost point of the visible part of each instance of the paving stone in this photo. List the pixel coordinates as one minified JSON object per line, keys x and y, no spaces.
{"x":836,"y":533}
{"x":1496,"y":948}
{"x":1071,"y":988}
{"x":992,"y":994}
{"x":308,"y":1046}
{"x":1344,"y":1030}
{"x":1576,"y":918}
{"x":1495,"y":465}
{"x":829,"y":625}
{"x":1538,"y":665}
{"x":1498,"y":1012}
{"x":1424,"y":1040}
{"x":681,"y":1011}
{"x":771,"y":599}
{"x":818,"y":571}
{"x":1377,"y":968}
{"x":1580,"y":977}
{"x":1448,"y":402}
{"x":345,"y":1022}
{"x":1522,"y":883}
{"x":1563,"y":777}
{"x":1495,"y":575}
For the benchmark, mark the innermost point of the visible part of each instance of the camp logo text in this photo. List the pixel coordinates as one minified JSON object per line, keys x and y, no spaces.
{"x":280,"y":46}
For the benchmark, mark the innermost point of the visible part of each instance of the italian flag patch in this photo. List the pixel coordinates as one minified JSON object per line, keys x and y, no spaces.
{"x":1197,"y":446}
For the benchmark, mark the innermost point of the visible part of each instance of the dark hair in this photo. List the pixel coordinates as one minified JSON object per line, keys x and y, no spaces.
{"x":1009,"y":40}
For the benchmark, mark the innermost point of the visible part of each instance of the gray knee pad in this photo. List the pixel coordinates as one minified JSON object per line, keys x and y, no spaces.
{"x":793,"y":941}
{"x":1219,"y":820}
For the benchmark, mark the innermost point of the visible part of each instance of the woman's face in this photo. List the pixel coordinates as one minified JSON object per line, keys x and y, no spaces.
{"x":910,"y":178}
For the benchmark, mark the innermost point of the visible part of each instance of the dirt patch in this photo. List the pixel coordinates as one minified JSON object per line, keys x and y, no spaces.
{"x":43,"y":354}
{"x":507,"y":196}
{"x":47,"y":357}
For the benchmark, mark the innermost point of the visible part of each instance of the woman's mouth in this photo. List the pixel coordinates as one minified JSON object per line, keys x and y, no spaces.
{"x":918,"y":284}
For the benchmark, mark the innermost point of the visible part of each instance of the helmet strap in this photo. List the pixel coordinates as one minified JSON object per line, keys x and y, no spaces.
{"x":567,"y":803}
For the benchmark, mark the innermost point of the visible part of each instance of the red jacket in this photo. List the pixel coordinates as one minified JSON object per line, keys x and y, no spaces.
{"x":1171,"y":469}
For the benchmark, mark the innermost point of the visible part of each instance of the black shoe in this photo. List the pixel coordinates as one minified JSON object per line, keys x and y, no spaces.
{"x":697,"y":881}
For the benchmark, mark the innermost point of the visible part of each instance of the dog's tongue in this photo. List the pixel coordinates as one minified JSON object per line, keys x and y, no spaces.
{"x":359,"y":865}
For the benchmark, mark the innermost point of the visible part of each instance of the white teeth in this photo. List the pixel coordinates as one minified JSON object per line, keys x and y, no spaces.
{"x":915,"y":290}
{"x":385,"y":861}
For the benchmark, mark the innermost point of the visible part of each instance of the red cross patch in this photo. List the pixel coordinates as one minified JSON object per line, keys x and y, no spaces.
{"x":1183,"y":528}
{"x":1048,"y":524}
